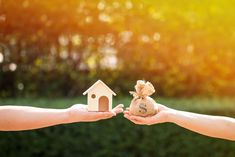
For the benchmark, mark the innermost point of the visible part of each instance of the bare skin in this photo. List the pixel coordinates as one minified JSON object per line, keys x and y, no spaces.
{"x":213,"y":126}
{"x":16,"y":118}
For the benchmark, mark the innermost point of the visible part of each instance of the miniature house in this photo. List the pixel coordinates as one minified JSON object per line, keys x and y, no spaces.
{"x":99,"y":97}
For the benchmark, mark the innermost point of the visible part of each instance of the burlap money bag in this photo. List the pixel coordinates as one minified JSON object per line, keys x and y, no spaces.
{"x":142,"y":104}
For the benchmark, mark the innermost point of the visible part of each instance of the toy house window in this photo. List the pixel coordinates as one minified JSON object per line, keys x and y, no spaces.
{"x":93,"y":96}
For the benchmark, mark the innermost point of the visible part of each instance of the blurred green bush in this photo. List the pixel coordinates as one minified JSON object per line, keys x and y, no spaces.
{"x":57,"y":48}
{"x":116,"y":138}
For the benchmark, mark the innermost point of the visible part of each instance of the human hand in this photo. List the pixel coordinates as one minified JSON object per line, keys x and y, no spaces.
{"x":159,"y":117}
{"x":80,"y":113}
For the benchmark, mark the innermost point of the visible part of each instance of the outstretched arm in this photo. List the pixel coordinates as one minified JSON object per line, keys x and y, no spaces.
{"x":213,"y":126}
{"x":15,"y":118}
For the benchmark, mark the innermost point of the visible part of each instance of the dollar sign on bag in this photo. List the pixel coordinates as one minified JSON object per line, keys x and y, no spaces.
{"x":142,"y":107}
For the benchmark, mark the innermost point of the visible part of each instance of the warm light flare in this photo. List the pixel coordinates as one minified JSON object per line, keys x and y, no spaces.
{"x":186,"y":48}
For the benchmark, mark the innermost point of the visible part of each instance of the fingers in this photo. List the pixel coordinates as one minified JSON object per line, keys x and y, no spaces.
{"x":139,"y":120}
{"x":133,"y":120}
{"x":114,"y":112}
{"x":119,"y":106}
{"x":118,"y":109}
{"x":126,"y":112}
{"x":105,"y":115}
{"x":99,"y":116}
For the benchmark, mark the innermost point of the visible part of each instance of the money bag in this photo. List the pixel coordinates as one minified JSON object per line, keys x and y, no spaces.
{"x":142,"y":104}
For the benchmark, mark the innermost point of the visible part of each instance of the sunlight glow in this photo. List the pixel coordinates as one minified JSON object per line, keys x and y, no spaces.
{"x":105,"y":18}
{"x":76,"y":40}
{"x":126,"y":36}
{"x":63,"y":40}
{"x":156,"y":36}
{"x":190,"y":48}
{"x":12,"y":67}
{"x":144,"y":38}
{"x":129,"y":4}
{"x":20,"y":86}
{"x":1,"y":57}
{"x":101,"y":5}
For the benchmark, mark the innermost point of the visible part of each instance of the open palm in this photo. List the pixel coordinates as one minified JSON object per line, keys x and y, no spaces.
{"x":80,"y":113}
{"x":159,"y":117}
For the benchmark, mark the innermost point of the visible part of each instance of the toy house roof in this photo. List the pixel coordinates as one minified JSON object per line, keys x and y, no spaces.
{"x":95,"y":84}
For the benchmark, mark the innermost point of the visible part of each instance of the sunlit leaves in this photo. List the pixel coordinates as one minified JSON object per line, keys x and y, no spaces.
{"x":184,"y":47}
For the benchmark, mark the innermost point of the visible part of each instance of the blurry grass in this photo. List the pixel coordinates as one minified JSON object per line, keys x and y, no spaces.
{"x":202,"y":105}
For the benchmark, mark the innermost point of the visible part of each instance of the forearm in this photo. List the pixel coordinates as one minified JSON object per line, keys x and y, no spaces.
{"x":214,"y":126}
{"x":13,"y":118}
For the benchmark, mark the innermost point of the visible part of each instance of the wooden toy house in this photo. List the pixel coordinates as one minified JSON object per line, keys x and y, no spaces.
{"x":99,"y":97}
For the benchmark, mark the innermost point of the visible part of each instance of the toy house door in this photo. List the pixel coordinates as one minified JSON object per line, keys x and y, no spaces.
{"x":103,"y":104}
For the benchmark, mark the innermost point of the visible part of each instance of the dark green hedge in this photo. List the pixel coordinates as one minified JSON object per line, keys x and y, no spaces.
{"x":117,"y":138}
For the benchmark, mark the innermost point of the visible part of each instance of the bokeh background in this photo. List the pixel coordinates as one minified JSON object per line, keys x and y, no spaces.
{"x":51,"y":51}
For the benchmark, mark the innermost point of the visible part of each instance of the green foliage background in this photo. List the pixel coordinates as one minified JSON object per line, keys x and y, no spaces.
{"x":118,"y":137}
{"x":58,"y":48}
